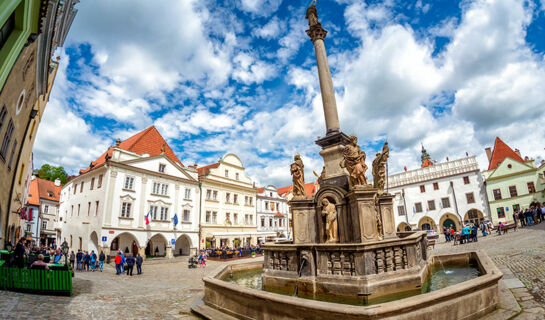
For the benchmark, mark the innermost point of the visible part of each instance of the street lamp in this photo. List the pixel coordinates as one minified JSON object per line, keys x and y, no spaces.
{"x":64,"y":248}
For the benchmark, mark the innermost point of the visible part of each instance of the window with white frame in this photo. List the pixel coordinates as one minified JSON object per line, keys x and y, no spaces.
{"x":44,"y":224}
{"x":237,"y":176}
{"x":262,"y":222}
{"x":164,"y":213}
{"x":46,"y":208}
{"x":156,"y":188}
{"x":164,"y":189}
{"x":153,"y":212}
{"x":208,"y":216}
{"x":129,"y":183}
{"x":187,"y":194}
{"x":214,"y":217}
{"x":99,"y":181}
{"x":187,"y":215}
{"x":226,"y":173}
{"x":160,"y":188}
{"x":215,"y":195}
{"x":235,"y":198}
{"x":162,"y":167}
{"x":246,"y":200}
{"x":208,"y":194}
{"x":227,"y":197}
{"x":235,"y":218}
{"x":126,"y":210}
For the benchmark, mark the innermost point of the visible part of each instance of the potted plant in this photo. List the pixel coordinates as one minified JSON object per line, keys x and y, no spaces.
{"x":253,"y":254}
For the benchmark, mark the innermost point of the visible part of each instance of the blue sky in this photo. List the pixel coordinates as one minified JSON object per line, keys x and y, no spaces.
{"x":240,"y":76}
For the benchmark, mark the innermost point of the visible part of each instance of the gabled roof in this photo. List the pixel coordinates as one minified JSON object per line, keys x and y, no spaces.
{"x":147,"y":141}
{"x":203,"y":171}
{"x":33,"y":194}
{"x":43,"y":189}
{"x":310,"y":188}
{"x":500,"y":152}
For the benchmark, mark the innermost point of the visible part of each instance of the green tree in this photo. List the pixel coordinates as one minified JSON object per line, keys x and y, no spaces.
{"x":49,"y":172}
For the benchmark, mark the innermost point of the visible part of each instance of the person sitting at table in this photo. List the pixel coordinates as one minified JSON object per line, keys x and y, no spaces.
{"x":40,"y":262}
{"x":58,"y":256}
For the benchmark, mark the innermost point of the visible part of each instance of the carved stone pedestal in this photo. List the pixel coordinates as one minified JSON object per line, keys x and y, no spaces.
{"x":332,"y":146}
{"x":386,"y":208}
{"x":366,"y":222}
{"x":304,"y":221}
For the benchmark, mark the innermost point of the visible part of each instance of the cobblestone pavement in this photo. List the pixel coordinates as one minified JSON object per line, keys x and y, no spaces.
{"x":522,"y":253}
{"x":167,"y":290}
{"x":163,"y":291}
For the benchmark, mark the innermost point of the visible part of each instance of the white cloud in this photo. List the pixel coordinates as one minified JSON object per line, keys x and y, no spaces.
{"x":271,"y":30}
{"x":260,"y":7}
{"x":249,"y":70}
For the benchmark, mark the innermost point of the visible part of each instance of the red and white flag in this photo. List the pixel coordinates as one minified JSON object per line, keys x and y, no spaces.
{"x":147,"y":217}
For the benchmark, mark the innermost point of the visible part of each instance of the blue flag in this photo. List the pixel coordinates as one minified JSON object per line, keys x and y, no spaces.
{"x":175,"y":219}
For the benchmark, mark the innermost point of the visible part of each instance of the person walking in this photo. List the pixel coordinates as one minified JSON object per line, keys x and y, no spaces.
{"x":122,"y":261}
{"x":93,"y":260}
{"x":130,"y":264}
{"x":72,"y":260}
{"x":118,"y":263}
{"x":203,"y":260}
{"x":86,"y":259}
{"x":515,"y":215}
{"x":139,"y":261}
{"x":101,"y":259}
{"x":522,"y":218}
{"x":79,"y":259}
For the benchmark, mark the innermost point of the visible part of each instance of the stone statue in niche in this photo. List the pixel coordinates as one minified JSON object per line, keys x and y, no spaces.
{"x":298,"y":175}
{"x":379,"y":168}
{"x":330,"y":213}
{"x":354,"y":161}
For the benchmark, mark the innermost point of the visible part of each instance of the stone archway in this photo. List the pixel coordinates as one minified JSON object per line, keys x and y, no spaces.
{"x":182,"y":246}
{"x":450,"y":220}
{"x":126,"y":241}
{"x":93,"y":242}
{"x":427,"y":223}
{"x":157,"y":246}
{"x":474,"y":216}
{"x":403,"y":226}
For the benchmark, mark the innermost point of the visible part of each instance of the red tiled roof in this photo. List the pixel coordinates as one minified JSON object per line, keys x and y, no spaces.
{"x":500,"y":152}
{"x":426,"y":163}
{"x":33,"y":195}
{"x":311,"y":188}
{"x":260,"y":190}
{"x":147,"y":141}
{"x":203,"y":171}
{"x":43,"y":189}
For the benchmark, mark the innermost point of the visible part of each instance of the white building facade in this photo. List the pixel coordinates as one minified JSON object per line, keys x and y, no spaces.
{"x":105,"y":208}
{"x":440,"y":195}
{"x":228,"y":205}
{"x":272,"y":215}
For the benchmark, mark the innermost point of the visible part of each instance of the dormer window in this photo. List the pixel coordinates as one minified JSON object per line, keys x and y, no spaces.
{"x":162,"y":167}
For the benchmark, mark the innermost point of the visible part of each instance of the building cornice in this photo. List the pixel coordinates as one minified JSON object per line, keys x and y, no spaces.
{"x":505,"y":176}
{"x":212,"y":183}
{"x":152,"y":173}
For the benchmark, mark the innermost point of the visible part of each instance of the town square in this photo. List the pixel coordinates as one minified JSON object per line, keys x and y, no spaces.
{"x":264,"y":159}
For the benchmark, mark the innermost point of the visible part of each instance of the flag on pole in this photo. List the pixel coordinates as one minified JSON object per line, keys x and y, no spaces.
{"x":147,"y":217}
{"x":175,"y":219}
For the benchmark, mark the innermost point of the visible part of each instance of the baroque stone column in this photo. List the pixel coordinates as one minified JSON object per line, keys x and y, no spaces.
{"x":304,"y":221}
{"x":317,"y":35}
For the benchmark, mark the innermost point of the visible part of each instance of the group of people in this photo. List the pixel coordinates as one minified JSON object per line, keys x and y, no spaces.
{"x":127,"y":264}
{"x":85,"y":261}
{"x":468,"y":233}
{"x":199,"y":259}
{"x":533,"y":215}
{"x":25,"y":249}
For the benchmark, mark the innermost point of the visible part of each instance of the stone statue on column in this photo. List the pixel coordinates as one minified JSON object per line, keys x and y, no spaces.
{"x":379,"y":168}
{"x":297,"y":170}
{"x":330,"y":212}
{"x":354,"y":161}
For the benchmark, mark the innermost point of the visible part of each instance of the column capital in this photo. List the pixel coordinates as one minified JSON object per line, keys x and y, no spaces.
{"x":316,"y":32}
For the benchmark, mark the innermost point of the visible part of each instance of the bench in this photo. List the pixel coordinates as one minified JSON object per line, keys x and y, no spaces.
{"x":506,"y":227}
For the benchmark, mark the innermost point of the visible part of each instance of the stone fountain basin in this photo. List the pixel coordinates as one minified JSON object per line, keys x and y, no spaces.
{"x":465,"y":300}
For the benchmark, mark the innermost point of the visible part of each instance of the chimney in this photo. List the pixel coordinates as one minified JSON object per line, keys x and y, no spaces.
{"x":488,"y":153}
{"x":57,"y":182}
{"x":517,"y":151}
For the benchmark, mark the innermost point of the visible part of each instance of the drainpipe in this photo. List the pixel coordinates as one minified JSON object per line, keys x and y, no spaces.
{"x":456,"y":202}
